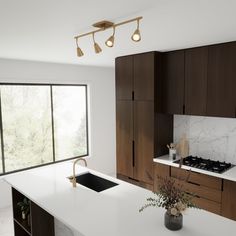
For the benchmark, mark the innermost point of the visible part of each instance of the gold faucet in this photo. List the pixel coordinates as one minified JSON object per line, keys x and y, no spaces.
{"x":73,"y":177}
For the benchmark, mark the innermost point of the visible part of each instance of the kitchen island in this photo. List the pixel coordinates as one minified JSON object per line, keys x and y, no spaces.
{"x":113,"y":212}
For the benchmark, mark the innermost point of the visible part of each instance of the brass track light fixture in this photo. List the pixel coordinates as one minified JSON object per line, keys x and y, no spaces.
{"x":79,"y":50}
{"x":96,"y":46}
{"x":104,"y":25}
{"x":136,"y":37}
{"x":111,"y":39}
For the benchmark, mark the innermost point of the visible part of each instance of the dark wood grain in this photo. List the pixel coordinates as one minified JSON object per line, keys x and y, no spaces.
{"x":124,"y":77}
{"x":135,"y":182}
{"x":144,"y":140}
{"x":124,"y":137}
{"x":160,"y":172}
{"x":196,"y":81}
{"x":221,"y":80}
{"x":173,"y":84}
{"x":228,"y":199}
{"x":42,"y":221}
{"x":144,"y":76}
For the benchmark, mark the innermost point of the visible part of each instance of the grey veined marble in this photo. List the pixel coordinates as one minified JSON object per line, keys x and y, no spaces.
{"x":209,"y":137}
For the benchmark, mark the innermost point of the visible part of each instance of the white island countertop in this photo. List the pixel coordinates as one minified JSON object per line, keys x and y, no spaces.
{"x":228,"y":175}
{"x":113,"y":212}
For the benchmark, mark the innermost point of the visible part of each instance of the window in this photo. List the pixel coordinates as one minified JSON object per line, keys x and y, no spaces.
{"x":42,"y":124}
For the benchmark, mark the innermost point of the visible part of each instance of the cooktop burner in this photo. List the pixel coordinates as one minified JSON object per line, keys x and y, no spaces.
{"x":206,"y":164}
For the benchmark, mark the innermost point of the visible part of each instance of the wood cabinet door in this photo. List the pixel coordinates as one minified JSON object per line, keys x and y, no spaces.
{"x":124,"y":77}
{"x":143,"y":141}
{"x":196,"y":81}
{"x":173,"y":83}
{"x":161,"y":172}
{"x":144,"y":75}
{"x":124,"y":138}
{"x":228,"y":208}
{"x":221,"y":80}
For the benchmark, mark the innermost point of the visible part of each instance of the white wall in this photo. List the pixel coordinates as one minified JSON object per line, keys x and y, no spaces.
{"x":101,"y":83}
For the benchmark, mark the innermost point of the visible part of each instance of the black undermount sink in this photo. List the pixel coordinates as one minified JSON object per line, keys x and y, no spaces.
{"x":94,"y":182}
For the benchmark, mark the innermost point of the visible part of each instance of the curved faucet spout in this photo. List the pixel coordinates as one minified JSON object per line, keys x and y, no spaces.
{"x":73,"y":177}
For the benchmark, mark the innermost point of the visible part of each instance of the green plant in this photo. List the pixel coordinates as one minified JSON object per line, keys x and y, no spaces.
{"x":24,"y":206}
{"x":172,"y":197}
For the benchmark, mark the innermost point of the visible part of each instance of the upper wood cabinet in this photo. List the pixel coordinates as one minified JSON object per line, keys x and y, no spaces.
{"x":196,"y":81}
{"x":135,"y":77}
{"x":124,"y":78}
{"x":144,"y":74}
{"x":221,"y":80}
{"x":173,"y":82}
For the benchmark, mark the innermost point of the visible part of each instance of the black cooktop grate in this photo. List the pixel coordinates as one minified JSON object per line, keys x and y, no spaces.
{"x":206,"y":164}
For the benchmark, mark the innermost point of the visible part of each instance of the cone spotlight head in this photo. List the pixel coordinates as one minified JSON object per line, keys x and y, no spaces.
{"x":136,"y":37}
{"x":79,"y":52}
{"x":97,"y":48}
{"x":110,"y":41}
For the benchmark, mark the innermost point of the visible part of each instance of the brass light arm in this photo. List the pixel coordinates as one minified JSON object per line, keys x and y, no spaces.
{"x":112,"y":25}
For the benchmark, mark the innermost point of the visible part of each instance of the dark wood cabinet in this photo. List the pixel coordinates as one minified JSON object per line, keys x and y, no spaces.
{"x":37,"y":223}
{"x":141,"y":133}
{"x":196,"y":81}
{"x":221,"y":80}
{"x":135,"y":77}
{"x":161,"y":172}
{"x":173,"y":82}
{"x":124,"y":137}
{"x":144,"y":74}
{"x":124,"y":78}
{"x":228,"y":199}
{"x":143,"y":141}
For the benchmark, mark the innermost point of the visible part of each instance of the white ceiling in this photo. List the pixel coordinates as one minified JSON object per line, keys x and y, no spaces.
{"x":44,"y":30}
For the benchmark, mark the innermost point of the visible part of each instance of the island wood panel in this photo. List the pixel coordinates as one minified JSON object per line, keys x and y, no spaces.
{"x":144,"y":76}
{"x":196,"y":81}
{"x":143,"y":140}
{"x":173,"y":82}
{"x":197,"y":178}
{"x":124,"y":77}
{"x":42,"y":221}
{"x":228,"y":199}
{"x":161,"y":172}
{"x":221,"y":80}
{"x":124,"y":138}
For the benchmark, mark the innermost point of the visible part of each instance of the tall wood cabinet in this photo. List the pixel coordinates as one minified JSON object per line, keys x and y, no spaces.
{"x":139,"y":132}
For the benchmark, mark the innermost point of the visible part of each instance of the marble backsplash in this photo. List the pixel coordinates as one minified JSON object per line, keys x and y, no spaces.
{"x":209,"y":137}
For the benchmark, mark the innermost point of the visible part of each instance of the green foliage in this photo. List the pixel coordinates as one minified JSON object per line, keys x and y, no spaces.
{"x":24,"y":206}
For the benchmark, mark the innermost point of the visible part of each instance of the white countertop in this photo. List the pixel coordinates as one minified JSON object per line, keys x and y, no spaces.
{"x":113,"y":212}
{"x":229,"y":174}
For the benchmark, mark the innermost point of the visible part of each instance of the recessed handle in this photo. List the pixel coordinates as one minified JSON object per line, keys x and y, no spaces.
{"x":133,"y":153}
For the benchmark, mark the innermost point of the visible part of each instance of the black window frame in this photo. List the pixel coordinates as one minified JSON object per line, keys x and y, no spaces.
{"x":50,"y":85}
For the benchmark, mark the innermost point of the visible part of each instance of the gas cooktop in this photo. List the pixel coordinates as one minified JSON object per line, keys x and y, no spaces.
{"x":206,"y":164}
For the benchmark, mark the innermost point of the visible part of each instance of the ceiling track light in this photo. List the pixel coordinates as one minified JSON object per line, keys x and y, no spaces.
{"x":111,"y":39}
{"x":104,"y":25}
{"x":136,"y":37}
{"x":96,"y":46}
{"x":79,"y":50}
